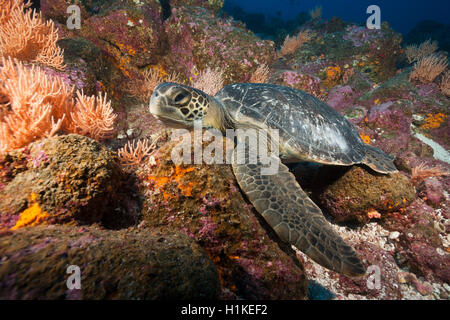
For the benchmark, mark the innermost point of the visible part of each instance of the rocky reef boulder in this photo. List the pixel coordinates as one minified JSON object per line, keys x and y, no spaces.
{"x":88,"y":69}
{"x":129,"y":33}
{"x":57,"y":180}
{"x":301,"y":81}
{"x":359,"y":194}
{"x":133,"y":35}
{"x":204,"y":202}
{"x":125,"y":264}
{"x":336,"y":54}
{"x":57,"y":10}
{"x":432,"y":190}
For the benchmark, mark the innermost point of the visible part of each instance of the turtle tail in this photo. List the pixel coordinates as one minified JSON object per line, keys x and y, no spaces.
{"x":378,"y":160}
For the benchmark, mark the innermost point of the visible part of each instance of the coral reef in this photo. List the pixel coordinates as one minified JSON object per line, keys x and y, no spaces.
{"x":213,"y":5}
{"x":143,"y":227}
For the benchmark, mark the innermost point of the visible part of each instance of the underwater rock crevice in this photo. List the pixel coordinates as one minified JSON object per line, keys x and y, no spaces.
{"x":166,"y":10}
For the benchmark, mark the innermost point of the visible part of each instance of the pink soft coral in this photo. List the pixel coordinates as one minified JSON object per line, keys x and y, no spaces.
{"x":133,"y":154}
{"x":93,"y":117}
{"x":291,"y":44}
{"x":26,"y":36}
{"x":210,"y":81}
{"x":428,"y":68}
{"x":34,"y":105}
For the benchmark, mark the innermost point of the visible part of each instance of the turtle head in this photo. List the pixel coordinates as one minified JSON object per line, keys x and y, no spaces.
{"x":178,"y":105}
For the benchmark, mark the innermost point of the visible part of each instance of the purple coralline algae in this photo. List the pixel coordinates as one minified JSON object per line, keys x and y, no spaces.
{"x":199,"y":40}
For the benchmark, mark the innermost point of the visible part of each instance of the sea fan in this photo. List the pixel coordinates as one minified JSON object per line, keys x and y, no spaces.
{"x":445,"y":83}
{"x":291,"y":44}
{"x":428,"y":68}
{"x":421,"y":172}
{"x":34,"y":105}
{"x":416,"y":53}
{"x":26,"y":36}
{"x":93,"y":116}
{"x":143,"y":88}
{"x":210,"y":81}
{"x":261,"y":75}
{"x":133,"y":154}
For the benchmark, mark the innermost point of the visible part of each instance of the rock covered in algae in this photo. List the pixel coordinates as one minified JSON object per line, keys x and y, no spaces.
{"x":198,"y":40}
{"x":358,"y":193}
{"x":213,"y":5}
{"x":381,"y":264}
{"x":432,"y":189}
{"x":125,"y":264}
{"x":61,"y":179}
{"x":132,"y":34}
{"x":57,"y":10}
{"x":205,"y":202}
{"x":420,"y":246}
{"x":98,"y":71}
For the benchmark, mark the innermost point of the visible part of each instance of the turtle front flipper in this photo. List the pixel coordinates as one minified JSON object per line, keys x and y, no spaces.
{"x":295,"y":217}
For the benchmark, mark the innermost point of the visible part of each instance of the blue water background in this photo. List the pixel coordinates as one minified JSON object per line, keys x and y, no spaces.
{"x":402,"y":15}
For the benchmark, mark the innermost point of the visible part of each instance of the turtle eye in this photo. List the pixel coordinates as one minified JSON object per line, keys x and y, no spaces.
{"x":180,"y":97}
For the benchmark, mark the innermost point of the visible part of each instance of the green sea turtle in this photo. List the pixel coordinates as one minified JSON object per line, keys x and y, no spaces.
{"x":309,"y":130}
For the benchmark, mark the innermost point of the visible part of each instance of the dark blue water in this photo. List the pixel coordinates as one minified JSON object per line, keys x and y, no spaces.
{"x":402,"y":15}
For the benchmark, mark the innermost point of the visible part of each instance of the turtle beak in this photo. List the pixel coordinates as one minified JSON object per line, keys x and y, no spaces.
{"x":164,"y":113}
{"x":155,"y":103}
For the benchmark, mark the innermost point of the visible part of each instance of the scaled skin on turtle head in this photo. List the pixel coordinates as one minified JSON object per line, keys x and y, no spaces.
{"x":179,"y":106}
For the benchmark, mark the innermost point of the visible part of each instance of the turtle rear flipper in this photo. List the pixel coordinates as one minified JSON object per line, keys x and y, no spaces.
{"x":378,"y":160}
{"x":294,"y":216}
